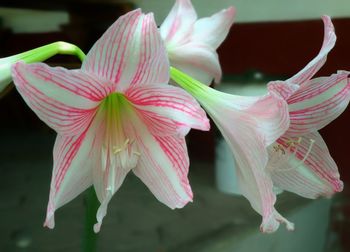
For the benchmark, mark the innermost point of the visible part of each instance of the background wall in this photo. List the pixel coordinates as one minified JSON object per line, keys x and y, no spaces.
{"x":257,"y":10}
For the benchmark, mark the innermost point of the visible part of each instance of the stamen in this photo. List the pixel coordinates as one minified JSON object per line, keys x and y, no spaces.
{"x":128,"y":154}
{"x":116,"y":150}
{"x":312,"y":141}
{"x":126,"y":142}
{"x":277,"y":162}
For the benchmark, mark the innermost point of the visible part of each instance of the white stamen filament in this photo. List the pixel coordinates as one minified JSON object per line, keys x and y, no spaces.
{"x":277,"y":162}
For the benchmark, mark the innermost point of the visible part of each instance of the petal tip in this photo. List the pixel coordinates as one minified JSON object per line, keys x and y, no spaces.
{"x":97,"y":227}
{"x":230,"y":12}
{"x":49,"y":223}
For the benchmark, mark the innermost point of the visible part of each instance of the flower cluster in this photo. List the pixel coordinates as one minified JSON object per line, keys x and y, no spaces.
{"x":118,"y":113}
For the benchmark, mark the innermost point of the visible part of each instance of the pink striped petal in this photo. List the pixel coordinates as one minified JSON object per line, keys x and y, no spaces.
{"x":313,"y":66}
{"x":65,"y":100}
{"x":72,"y":174}
{"x":130,"y":53}
{"x":178,"y":25}
{"x":249,"y":124}
{"x":167,"y":108}
{"x":304,"y":166}
{"x":213,"y":30}
{"x":163,"y":167}
{"x":317,"y":103}
{"x":251,"y":157}
{"x":282,"y":88}
{"x":108,"y":176}
{"x":270,"y":114}
{"x":197,"y":60}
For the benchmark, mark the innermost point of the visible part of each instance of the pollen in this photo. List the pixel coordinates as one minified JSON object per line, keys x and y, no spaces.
{"x":290,"y":156}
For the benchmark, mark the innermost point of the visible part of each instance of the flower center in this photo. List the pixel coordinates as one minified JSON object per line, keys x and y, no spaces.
{"x":289,"y":157}
{"x":119,"y":137}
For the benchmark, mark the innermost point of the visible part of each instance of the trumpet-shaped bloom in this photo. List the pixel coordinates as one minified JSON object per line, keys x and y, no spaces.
{"x":192,"y":43}
{"x":249,"y":125}
{"x":299,"y":161}
{"x":115,"y":114}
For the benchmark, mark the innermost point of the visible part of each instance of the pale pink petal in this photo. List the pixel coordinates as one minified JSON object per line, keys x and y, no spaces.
{"x":282,"y":88}
{"x":249,"y":124}
{"x":163,"y":166}
{"x":65,"y":100}
{"x":131,"y":52}
{"x":304,"y":166}
{"x":270,"y":115}
{"x":198,"y":61}
{"x":317,"y":103}
{"x":213,"y":30}
{"x":313,"y":66}
{"x":72,"y":174}
{"x":178,"y":25}
{"x":167,"y":108}
{"x":107,"y":179}
{"x":251,"y":157}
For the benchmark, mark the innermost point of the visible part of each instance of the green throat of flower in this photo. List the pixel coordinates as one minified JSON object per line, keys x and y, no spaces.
{"x":119,"y":134}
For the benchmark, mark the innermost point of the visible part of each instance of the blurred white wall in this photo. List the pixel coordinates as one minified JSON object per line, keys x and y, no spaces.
{"x":247,"y":11}
{"x":257,"y":10}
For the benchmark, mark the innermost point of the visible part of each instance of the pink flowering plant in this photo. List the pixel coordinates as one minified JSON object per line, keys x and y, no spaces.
{"x":119,"y":114}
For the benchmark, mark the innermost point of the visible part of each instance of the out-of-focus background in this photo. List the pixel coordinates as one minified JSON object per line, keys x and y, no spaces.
{"x":270,"y":40}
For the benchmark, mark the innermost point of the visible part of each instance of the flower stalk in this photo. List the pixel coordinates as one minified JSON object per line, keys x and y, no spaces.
{"x":36,"y":55}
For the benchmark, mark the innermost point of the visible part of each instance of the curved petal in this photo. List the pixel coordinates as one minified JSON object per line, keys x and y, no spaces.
{"x":170,"y":106}
{"x":317,"y":103}
{"x":270,"y":113}
{"x":178,"y":25}
{"x":197,"y":60}
{"x":251,"y":157}
{"x":163,"y":168}
{"x":72,"y":174}
{"x":248,"y":124}
{"x":304,"y":167}
{"x":163,"y":165}
{"x":65,"y":100}
{"x":282,"y":88}
{"x":313,"y":66}
{"x":248,"y":131}
{"x":131,"y":52}
{"x":213,"y":30}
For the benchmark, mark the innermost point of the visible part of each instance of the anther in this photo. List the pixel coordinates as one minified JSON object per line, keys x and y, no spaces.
{"x":285,"y":161}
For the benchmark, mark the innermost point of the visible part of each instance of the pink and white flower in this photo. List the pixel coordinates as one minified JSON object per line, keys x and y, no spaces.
{"x":299,"y":161}
{"x":115,"y":114}
{"x":191,"y":43}
{"x":249,"y":125}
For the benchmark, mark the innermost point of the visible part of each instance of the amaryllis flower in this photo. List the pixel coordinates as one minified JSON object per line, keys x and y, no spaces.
{"x":249,"y":125}
{"x":300,"y":161}
{"x":115,"y":114}
{"x":192,"y":43}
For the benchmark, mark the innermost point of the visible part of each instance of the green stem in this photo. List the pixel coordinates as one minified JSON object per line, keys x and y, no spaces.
{"x":91,"y":205}
{"x":35,"y":55}
{"x":47,"y":51}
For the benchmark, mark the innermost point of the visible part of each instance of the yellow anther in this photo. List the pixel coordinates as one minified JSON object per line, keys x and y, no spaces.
{"x":116,"y":150}
{"x":278,"y":148}
{"x":126,"y":142}
{"x":137,"y":153}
